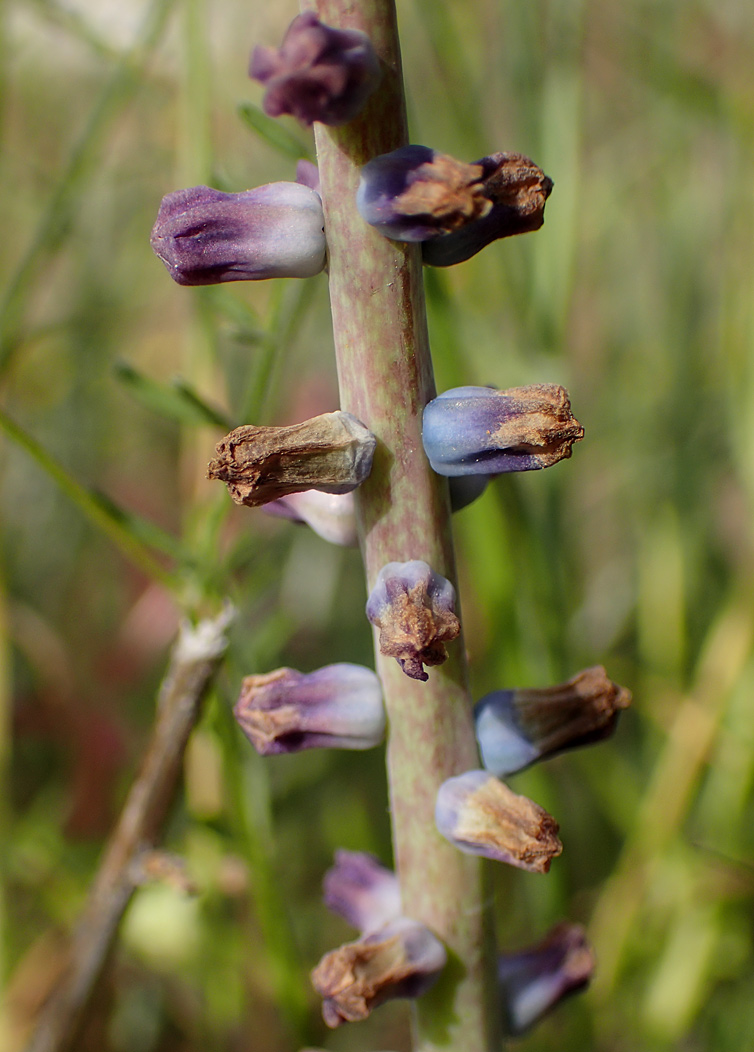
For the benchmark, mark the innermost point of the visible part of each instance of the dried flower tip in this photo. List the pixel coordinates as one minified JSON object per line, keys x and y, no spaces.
{"x":204,"y":236}
{"x":402,"y":959}
{"x":336,"y":707}
{"x":413,"y":607}
{"x":480,"y":431}
{"x":415,"y":193}
{"x":482,"y":816}
{"x":515,"y":728}
{"x":533,"y":981}
{"x":332,"y":453}
{"x":318,"y":74}
{"x":362,"y":891}
{"x":331,"y":515}
{"x":518,"y":190}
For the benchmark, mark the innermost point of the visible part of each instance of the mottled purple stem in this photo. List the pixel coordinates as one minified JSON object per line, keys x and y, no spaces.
{"x":385,"y":376}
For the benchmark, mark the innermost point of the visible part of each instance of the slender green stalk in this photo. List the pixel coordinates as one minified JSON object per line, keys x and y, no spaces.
{"x":385,"y":376}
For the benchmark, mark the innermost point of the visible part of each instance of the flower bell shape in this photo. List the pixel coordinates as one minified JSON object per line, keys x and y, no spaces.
{"x":414,"y":609}
{"x":482,"y":816}
{"x":336,"y":707}
{"x":332,"y":453}
{"x":517,"y":189}
{"x":535,"y":980}
{"x":318,"y":74}
{"x":401,"y":959}
{"x":331,"y":515}
{"x":204,"y":236}
{"x":515,"y":728}
{"x":362,"y":891}
{"x":480,"y":431}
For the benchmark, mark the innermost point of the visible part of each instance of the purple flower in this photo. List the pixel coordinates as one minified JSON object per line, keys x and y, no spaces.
{"x":414,"y":609}
{"x":515,"y":728}
{"x":362,"y":891}
{"x":480,"y":431}
{"x":204,"y":236}
{"x":336,"y":707}
{"x":534,"y":980}
{"x":318,"y":74}
{"x":482,"y":816}
{"x":331,"y":515}
{"x":401,"y":959}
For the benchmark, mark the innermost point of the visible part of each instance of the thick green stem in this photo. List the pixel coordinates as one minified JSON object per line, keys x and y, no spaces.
{"x":385,"y":376}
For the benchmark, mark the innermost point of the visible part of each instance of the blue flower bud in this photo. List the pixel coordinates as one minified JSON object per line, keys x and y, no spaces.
{"x":337,"y":707}
{"x":205,"y":237}
{"x":401,"y":959}
{"x":517,"y":189}
{"x":413,"y":607}
{"x":482,"y":816}
{"x":515,"y":728}
{"x":362,"y":891}
{"x":318,"y":74}
{"x":479,"y":431}
{"x":535,"y":980}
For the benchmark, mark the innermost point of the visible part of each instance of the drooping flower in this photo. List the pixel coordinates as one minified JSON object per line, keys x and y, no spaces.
{"x":480,"y":431}
{"x":205,"y":236}
{"x":318,"y":74}
{"x":536,"y":979}
{"x":515,"y":728}
{"x":332,"y":453}
{"x":331,"y":515}
{"x":337,"y":707}
{"x":362,"y":891}
{"x":482,"y":816}
{"x":401,"y":959}
{"x":414,"y":609}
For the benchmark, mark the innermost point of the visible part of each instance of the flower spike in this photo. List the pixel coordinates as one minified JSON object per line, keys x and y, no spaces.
{"x":336,"y":707}
{"x":515,"y":728}
{"x":535,"y":980}
{"x":362,"y":891}
{"x":480,"y":431}
{"x":414,"y":609}
{"x":318,"y":74}
{"x":482,"y":816}
{"x":205,"y":237}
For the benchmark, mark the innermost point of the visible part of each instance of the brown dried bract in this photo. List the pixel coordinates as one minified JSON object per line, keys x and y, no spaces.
{"x":521,"y":185}
{"x":332,"y":453}
{"x":414,"y":630}
{"x":450,"y":191}
{"x":539,"y":422}
{"x":511,"y":828}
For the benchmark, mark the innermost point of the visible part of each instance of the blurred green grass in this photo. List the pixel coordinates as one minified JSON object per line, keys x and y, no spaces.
{"x":637,"y":553}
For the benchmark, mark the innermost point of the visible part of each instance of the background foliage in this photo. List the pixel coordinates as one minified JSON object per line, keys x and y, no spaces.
{"x":637,"y":553}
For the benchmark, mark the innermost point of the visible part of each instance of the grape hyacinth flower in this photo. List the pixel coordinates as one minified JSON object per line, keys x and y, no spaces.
{"x":332,"y":452}
{"x":332,"y":516}
{"x":482,"y":816}
{"x":318,"y":73}
{"x":515,"y":728}
{"x":414,"y":609}
{"x":205,"y":236}
{"x":535,"y":980}
{"x":336,"y":707}
{"x":401,"y":959}
{"x":362,"y":891}
{"x":480,"y":431}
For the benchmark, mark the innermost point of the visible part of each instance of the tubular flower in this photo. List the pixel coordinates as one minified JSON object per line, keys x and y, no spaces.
{"x":362,"y":891}
{"x":454,"y":208}
{"x":401,"y":959}
{"x":336,"y":707}
{"x":204,"y":236}
{"x":331,"y":515}
{"x":318,"y":74}
{"x":515,"y":728}
{"x":332,"y":453}
{"x":482,"y":816}
{"x":480,"y":431}
{"x":414,"y":609}
{"x":535,"y":980}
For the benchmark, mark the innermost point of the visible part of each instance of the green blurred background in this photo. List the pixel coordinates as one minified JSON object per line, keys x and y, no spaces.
{"x":637,"y":553}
